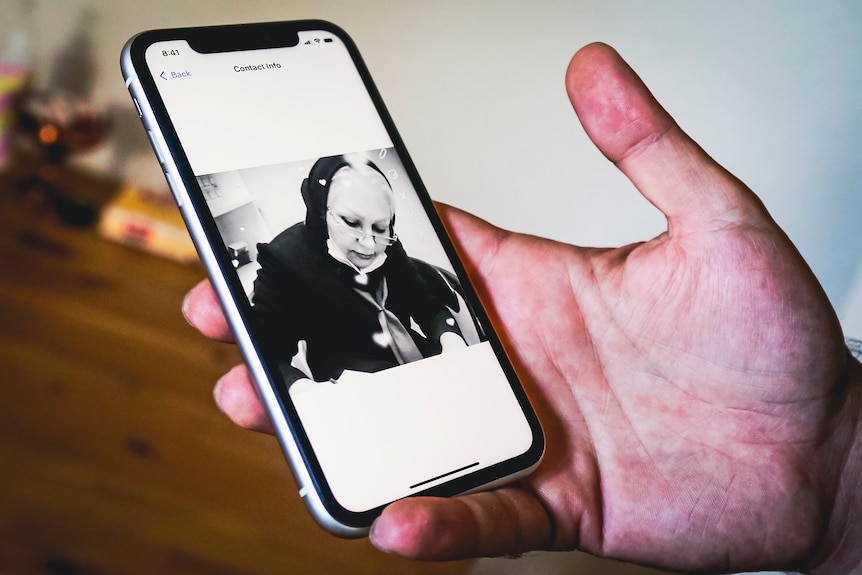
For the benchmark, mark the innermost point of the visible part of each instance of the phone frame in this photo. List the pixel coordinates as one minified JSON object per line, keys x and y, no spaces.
{"x":269,"y":385}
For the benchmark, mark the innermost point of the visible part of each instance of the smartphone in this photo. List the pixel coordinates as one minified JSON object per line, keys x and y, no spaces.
{"x":367,"y":344}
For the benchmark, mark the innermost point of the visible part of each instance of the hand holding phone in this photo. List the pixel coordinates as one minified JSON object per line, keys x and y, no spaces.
{"x":648,"y":460}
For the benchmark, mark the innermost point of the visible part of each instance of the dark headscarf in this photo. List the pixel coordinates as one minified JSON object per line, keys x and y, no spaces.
{"x":315,"y":194}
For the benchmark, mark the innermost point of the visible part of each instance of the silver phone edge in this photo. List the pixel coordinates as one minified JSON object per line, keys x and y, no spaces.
{"x":264,"y":389}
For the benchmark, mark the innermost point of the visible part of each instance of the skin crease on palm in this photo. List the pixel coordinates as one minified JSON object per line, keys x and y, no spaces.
{"x":700,"y":408}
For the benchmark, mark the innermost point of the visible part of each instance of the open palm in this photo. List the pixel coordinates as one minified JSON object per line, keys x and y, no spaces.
{"x":687,"y":386}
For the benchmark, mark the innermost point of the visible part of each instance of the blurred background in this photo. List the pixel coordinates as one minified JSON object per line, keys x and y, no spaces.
{"x":114,"y":459}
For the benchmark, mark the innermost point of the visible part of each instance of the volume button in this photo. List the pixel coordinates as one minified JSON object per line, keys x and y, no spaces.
{"x":172,"y":182}
{"x":157,"y":149}
{"x":137,"y":107}
{"x":175,"y":188}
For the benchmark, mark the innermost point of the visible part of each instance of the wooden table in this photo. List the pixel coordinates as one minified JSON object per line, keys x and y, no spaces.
{"x":113,"y":457}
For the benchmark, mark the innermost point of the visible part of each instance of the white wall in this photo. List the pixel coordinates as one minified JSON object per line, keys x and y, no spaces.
{"x":770,"y":88}
{"x":851,"y":310}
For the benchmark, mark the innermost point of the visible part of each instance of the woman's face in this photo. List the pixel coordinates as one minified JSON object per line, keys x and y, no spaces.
{"x":359,"y":209}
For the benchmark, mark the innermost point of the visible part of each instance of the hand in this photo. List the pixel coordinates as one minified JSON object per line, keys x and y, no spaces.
{"x":700,"y":409}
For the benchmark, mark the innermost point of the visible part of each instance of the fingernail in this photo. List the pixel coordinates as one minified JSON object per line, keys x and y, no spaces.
{"x":378,"y":536}
{"x":217,"y":392}
{"x":186,"y":305}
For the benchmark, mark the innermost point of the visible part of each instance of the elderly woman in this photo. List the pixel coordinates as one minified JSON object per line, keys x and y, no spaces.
{"x":339,"y":287}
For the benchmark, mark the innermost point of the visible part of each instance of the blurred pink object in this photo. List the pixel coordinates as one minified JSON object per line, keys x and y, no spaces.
{"x":14,"y":73}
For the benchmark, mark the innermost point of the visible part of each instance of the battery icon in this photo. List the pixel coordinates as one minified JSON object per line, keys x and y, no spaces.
{"x":327,"y":40}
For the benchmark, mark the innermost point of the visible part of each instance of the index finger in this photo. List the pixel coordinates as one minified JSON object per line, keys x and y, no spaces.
{"x":202,"y":310}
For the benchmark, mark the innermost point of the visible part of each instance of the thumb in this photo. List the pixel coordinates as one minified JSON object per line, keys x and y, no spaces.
{"x":476,"y":241}
{"x":631,"y":129}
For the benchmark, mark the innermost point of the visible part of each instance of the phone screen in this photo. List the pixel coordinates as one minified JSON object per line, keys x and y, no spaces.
{"x":357,"y":306}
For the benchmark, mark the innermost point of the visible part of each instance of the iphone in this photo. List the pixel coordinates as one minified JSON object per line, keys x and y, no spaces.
{"x":367,"y":344}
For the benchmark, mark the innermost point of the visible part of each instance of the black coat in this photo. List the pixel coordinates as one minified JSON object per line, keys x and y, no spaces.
{"x":302,"y":293}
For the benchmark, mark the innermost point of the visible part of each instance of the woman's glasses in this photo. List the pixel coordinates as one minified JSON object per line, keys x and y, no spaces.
{"x":352,"y":230}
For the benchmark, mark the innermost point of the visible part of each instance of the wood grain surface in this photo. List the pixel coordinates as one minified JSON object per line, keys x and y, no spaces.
{"x":113,"y":457}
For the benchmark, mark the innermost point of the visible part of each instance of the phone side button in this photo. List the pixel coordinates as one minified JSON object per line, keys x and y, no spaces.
{"x":174,"y":189}
{"x":138,"y":107}
{"x":156,"y":148}
{"x":303,"y":491}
